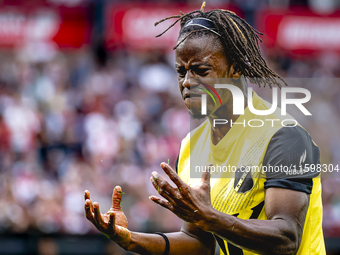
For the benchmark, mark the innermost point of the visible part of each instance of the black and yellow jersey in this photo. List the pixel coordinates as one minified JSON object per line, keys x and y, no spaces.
{"x":237,"y":191}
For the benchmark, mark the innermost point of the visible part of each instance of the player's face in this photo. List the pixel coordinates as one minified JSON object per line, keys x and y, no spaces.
{"x":201,"y":61}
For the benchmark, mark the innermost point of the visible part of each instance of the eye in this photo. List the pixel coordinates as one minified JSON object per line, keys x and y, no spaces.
{"x":202,"y":71}
{"x":181,"y":72}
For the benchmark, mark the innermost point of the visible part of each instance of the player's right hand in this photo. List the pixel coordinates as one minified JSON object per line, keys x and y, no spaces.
{"x":113,"y":223}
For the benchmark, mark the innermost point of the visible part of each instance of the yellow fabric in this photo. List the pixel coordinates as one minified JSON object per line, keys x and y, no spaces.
{"x":245,"y":146}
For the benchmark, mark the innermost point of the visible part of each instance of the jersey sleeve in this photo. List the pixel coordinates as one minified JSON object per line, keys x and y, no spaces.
{"x":288,"y":159}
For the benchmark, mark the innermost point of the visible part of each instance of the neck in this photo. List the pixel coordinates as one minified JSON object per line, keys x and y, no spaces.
{"x":225,"y":112}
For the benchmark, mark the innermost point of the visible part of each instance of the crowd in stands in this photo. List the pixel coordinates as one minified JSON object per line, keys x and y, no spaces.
{"x":78,"y":121}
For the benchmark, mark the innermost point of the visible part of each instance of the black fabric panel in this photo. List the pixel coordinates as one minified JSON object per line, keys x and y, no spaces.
{"x":233,"y":250}
{"x":289,"y":184}
{"x":292,"y":148}
{"x":257,"y":210}
{"x":247,"y":184}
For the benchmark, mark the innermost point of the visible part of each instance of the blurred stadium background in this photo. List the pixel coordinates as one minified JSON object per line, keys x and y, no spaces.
{"x":89,"y":99}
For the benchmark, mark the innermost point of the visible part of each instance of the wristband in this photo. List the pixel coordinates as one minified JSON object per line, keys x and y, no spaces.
{"x":167,"y":243}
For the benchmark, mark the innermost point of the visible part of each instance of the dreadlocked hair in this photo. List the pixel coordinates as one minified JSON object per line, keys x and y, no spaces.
{"x":240,"y":42}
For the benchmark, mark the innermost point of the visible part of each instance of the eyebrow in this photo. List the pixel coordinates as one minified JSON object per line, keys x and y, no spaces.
{"x":195,"y":65}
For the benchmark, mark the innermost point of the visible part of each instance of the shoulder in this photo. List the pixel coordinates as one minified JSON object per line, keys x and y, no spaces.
{"x":288,"y":158}
{"x":291,"y":144}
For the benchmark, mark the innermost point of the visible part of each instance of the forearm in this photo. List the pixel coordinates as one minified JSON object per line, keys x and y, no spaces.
{"x":180,"y":243}
{"x":273,"y":236}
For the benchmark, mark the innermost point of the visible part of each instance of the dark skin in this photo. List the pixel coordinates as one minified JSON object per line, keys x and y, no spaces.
{"x":199,"y":59}
{"x":202,"y":61}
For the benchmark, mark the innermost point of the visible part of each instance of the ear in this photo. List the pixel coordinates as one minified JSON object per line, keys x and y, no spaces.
{"x":234,"y":72}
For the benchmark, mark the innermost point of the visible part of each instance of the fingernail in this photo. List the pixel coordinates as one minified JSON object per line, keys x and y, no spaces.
{"x":155,"y":175}
{"x":150,"y":197}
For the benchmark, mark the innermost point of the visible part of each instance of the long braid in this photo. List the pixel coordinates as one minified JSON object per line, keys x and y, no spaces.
{"x":240,"y":41}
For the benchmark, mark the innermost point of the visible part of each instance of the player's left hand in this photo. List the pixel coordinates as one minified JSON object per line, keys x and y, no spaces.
{"x":191,"y":204}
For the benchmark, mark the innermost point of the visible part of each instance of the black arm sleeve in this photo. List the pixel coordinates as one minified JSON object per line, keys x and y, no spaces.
{"x":288,"y":153}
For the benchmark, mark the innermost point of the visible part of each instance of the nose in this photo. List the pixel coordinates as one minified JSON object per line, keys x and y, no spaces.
{"x":188,"y":79}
